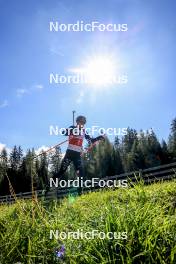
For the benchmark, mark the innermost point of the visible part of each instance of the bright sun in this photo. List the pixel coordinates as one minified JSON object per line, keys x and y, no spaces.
{"x":100,"y":71}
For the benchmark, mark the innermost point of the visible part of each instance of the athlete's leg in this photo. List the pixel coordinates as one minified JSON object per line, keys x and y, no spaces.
{"x":64,"y":165}
{"x":79,"y":168}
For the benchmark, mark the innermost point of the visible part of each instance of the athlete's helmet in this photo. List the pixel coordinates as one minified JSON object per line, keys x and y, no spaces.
{"x":81,"y":119}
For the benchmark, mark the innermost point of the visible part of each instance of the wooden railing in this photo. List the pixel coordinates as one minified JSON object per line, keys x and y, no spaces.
{"x":154,"y":174}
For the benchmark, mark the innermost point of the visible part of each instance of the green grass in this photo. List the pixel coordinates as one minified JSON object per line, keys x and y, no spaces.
{"x":146,"y":213}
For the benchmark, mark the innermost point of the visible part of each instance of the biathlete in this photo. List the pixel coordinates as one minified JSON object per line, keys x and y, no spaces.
{"x":76,"y":136}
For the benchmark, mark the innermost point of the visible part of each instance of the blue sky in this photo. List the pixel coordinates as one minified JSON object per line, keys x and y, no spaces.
{"x":29,"y":52}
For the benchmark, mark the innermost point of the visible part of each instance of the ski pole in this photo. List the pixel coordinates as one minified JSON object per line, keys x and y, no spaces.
{"x":51,"y":148}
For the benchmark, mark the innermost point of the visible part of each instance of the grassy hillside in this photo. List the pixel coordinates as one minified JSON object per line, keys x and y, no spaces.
{"x":146,"y":213}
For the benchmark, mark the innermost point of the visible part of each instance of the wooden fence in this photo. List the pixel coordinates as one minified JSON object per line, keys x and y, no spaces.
{"x":148,"y":176}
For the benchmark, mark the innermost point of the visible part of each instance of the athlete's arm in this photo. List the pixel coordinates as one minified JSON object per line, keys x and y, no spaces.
{"x":93,"y":140}
{"x":68,"y":131}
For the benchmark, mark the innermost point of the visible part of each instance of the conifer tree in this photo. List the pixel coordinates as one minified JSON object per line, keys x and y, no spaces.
{"x":172,"y":140}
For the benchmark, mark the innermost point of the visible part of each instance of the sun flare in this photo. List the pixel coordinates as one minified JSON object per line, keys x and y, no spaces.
{"x":98,"y":71}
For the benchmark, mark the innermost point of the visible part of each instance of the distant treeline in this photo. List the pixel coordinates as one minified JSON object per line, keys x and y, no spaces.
{"x":135,"y":150}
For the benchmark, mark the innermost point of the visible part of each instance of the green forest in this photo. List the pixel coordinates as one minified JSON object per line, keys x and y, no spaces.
{"x":134,"y":151}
